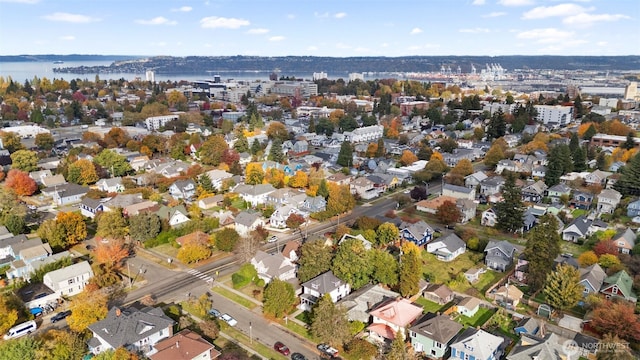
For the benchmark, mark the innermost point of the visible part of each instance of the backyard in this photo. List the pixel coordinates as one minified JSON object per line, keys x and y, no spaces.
{"x":478,"y":319}
{"x":452,"y":273}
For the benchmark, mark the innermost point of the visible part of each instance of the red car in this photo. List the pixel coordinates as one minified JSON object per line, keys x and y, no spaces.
{"x":281,"y":348}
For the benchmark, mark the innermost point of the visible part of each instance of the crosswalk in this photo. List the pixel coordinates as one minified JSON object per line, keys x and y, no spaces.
{"x":204,"y":277}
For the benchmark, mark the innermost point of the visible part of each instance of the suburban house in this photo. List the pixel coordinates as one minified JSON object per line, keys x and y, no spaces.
{"x":273,"y":266}
{"x":69,"y":280}
{"x":533,"y":347}
{"x":66,"y":194}
{"x":557,"y":191}
{"x":175,"y":215}
{"x":633,"y":209}
{"x":131,"y":328}
{"x":472,"y":275}
{"x":279,"y":217}
{"x":581,"y":200}
{"x":468,"y":306}
{"x":196,"y":237}
{"x":473,"y":180}
{"x":597,"y":177}
{"x":217,"y":178}
{"x":579,"y":228}
{"x":211,"y":202}
{"x":290,"y":250}
{"x":433,"y":334}
{"x":476,"y":344}
{"x":312,"y":204}
{"x":364,"y":188}
{"x":507,"y":295}
{"x":592,"y":278}
{"x":447,"y":248}
{"x":111,"y":185}
{"x":90,"y":207}
{"x":431,"y":205}
{"x":534,"y":192}
{"x":185,"y":345}
{"x":254,"y":194}
{"x":391,"y":317}
{"x":499,"y":255}
{"x":619,"y":285}
{"x":246,"y":222}
{"x":467,"y":209}
{"x":608,"y":200}
{"x":625,"y":241}
{"x":365,"y":243}
{"x":459,"y":192}
{"x":418,"y":233}
{"x":52,"y":181}
{"x":528,"y":325}
{"x":359,"y":303}
{"x":38,"y":175}
{"x":489,"y":218}
{"x":492,"y":185}
{"x":325,"y":283}
{"x":183,"y":189}
{"x":26,"y":253}
{"x":438,"y":293}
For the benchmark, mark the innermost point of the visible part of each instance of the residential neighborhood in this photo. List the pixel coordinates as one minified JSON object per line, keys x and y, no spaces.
{"x":418,"y":221}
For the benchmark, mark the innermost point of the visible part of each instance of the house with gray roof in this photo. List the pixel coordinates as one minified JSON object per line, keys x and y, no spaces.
{"x":273,"y":266}
{"x":478,"y":344}
{"x":183,"y":189}
{"x":254,"y":194}
{"x":418,"y":233}
{"x":608,"y":200}
{"x":447,"y":248}
{"x":438,"y":293}
{"x":66,"y":194}
{"x":111,"y":185}
{"x":499,"y":255}
{"x":492,"y":185}
{"x":312,"y":204}
{"x":578,"y":229}
{"x":28,"y":252}
{"x":459,"y":192}
{"x":131,"y":328}
{"x":532,"y":347}
{"x":433,"y":334}
{"x":557,"y":191}
{"x":69,"y":280}
{"x":473,"y":180}
{"x":527,"y":325}
{"x":246,"y":222}
{"x":365,"y":299}
{"x":326,"y":283}
{"x":534,"y":192}
{"x":592,"y":278}
{"x":89,"y":207}
{"x":625,"y":241}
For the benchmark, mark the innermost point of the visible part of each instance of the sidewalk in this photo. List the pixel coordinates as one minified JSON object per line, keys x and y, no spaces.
{"x":239,"y":293}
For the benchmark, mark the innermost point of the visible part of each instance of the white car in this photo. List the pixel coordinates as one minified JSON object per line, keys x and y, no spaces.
{"x":273,"y":239}
{"x":228,"y":319}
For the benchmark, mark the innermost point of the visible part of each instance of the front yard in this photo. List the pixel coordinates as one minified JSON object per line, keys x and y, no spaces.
{"x":478,"y":319}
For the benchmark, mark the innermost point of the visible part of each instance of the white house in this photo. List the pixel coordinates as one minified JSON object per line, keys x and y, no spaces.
{"x":69,"y":280}
{"x":365,"y":134}
{"x":111,"y":185}
{"x":154,"y":123}
{"x":247,"y":222}
{"x":273,"y":266}
{"x":477,"y":344}
{"x":325,"y":283}
{"x":183,"y":189}
{"x":447,"y":248}
{"x":279,"y":217}
{"x":608,"y":200}
{"x":254,"y":194}
{"x":218,"y":177}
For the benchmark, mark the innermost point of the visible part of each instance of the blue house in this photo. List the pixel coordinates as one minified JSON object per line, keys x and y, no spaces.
{"x":633,"y":209}
{"x":477,"y":344}
{"x":418,"y":233}
{"x":527,"y":326}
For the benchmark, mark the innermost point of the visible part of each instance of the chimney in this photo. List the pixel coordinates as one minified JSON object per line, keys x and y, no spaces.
{"x":118,"y":312}
{"x":177,"y":344}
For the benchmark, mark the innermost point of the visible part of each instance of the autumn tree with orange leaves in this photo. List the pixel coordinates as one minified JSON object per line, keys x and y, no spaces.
{"x":617,"y":317}
{"x":21,"y":183}
{"x":408,"y":158}
{"x":110,"y":254}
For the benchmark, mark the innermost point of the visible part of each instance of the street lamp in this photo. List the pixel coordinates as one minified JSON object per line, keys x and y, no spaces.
{"x":250,"y":333}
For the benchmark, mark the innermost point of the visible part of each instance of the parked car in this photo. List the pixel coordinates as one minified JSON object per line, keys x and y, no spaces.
{"x":214,"y":312}
{"x":328,"y":350}
{"x":273,"y":239}
{"x":60,"y":316}
{"x":298,"y":356}
{"x":37,"y":311}
{"x":281,"y":348}
{"x":229,"y":319}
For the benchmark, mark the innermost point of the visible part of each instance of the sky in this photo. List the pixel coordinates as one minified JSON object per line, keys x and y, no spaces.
{"x":338,"y":28}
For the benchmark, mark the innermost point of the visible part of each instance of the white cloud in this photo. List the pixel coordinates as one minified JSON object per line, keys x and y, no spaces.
{"x":362,"y":50}
{"x":276,"y":38}
{"x":478,"y":2}
{"x":546,"y":36}
{"x":601,"y":43}
{"x":384,"y":45}
{"x":257,"y":31}
{"x":216,"y":22}
{"x":312,"y":48}
{"x":475,"y":30}
{"x":415,"y":31}
{"x":183,"y":9}
{"x":159,"y":44}
{"x":71,"y":18}
{"x":20,"y":1}
{"x":423,"y":47}
{"x":515,"y":2}
{"x":67,"y":37}
{"x":343,"y":46}
{"x":494,"y":14}
{"x":321,"y":15}
{"x":159,"y":20}
{"x":585,"y":20}
{"x":542,"y":12}
{"x":340,"y":15}
{"x":291,"y":16}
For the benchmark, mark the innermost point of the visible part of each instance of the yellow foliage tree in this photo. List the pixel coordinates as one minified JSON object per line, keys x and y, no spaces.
{"x":436,"y":156}
{"x":463,"y":168}
{"x":408,"y":158}
{"x":253,"y":174}
{"x":299,"y":180}
{"x":372,"y":149}
{"x":9,"y":314}
{"x":587,"y":258}
{"x":87,"y":308}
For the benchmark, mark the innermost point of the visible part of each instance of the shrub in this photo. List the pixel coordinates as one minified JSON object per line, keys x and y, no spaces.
{"x":259,"y":282}
{"x":355,"y":327}
{"x":244,"y":276}
{"x":239,"y":281}
{"x":361,"y":349}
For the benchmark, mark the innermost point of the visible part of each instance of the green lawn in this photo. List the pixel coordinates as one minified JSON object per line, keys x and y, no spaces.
{"x":305,"y":317}
{"x":478,"y":319}
{"x":486,"y":280}
{"x":235,"y":297}
{"x":578,"y":212}
{"x":428,"y":305}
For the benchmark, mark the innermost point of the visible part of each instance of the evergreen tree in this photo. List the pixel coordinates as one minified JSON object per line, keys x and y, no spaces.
{"x":497,"y":125}
{"x":398,"y":349}
{"x":555,"y":167}
{"x":563,"y":288}
{"x":567,"y":161}
{"x":345,"y":156}
{"x":629,"y":182}
{"x":574,"y":144}
{"x":37,"y":116}
{"x":312,"y":125}
{"x":580,"y":159}
{"x":630,"y":143}
{"x":255,"y":147}
{"x":601,"y":161}
{"x":380,"y":151}
{"x":206,"y":183}
{"x":543,"y":246}
{"x":241,"y":145}
{"x":329,"y":322}
{"x":410,"y":270}
{"x":591,"y":130}
{"x":323,"y":189}
{"x":510,"y":211}
{"x":577,"y":104}
{"x":276,"y":153}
